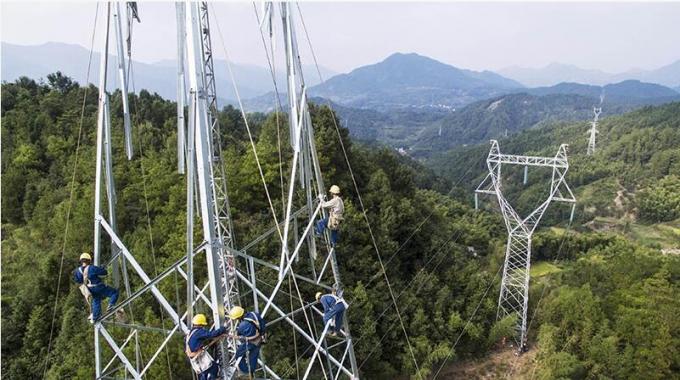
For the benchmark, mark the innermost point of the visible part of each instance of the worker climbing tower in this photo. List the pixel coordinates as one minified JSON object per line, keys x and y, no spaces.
{"x":514,"y":295}
{"x":267,"y":274}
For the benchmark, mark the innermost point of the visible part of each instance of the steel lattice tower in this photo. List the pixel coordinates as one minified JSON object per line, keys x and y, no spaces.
{"x":216,"y":286}
{"x":514,"y":294}
{"x":593,"y":131}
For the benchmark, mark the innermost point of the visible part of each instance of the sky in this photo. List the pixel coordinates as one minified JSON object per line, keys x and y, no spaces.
{"x":613,"y":37}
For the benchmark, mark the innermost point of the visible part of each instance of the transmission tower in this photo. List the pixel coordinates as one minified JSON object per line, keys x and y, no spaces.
{"x":593,"y":130}
{"x":593,"y":126}
{"x":230,"y":276}
{"x":514,"y":295}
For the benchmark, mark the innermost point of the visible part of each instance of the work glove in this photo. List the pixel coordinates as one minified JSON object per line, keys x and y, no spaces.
{"x":322,"y":197}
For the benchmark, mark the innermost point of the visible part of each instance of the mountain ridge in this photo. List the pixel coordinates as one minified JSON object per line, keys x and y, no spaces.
{"x":159,"y":76}
{"x":554,"y":73}
{"x":403,"y":80}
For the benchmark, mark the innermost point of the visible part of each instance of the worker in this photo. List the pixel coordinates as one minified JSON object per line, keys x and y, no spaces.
{"x":332,"y":221}
{"x":334,"y":307}
{"x":196,"y":344}
{"x":94,"y":289}
{"x":251,"y":331}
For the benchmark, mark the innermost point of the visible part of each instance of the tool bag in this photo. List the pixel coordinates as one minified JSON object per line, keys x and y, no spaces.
{"x":201,"y":359}
{"x":334,"y":221}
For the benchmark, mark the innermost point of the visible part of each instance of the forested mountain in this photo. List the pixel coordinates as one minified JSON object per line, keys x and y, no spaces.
{"x":609,"y":308}
{"x":37,"y":61}
{"x":637,"y":162}
{"x":411,"y":80}
{"x":554,"y":73}
{"x":433,"y":271}
{"x":506,"y":115}
{"x":626,"y":92}
{"x":608,"y":305}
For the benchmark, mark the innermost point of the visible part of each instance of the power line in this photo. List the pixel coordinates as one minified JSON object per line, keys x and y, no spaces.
{"x":71,"y":194}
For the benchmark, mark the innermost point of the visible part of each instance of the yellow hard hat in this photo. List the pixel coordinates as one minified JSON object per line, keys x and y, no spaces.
{"x":318,"y":295}
{"x":85,"y":256}
{"x":335,"y":189}
{"x":236,"y":312}
{"x":199,"y":320}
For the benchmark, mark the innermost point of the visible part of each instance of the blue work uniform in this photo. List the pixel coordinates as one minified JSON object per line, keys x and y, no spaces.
{"x":199,"y":337}
{"x":251,"y":325}
{"x":333,"y":307}
{"x":97,"y":288}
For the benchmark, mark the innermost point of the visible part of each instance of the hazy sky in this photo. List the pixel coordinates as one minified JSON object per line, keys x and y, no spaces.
{"x":609,"y":36}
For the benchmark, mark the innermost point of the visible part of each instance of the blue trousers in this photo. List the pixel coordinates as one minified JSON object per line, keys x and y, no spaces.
{"x":321,"y":226}
{"x":100,"y":292}
{"x":210,"y":373}
{"x":337,"y":312}
{"x":250,"y":352}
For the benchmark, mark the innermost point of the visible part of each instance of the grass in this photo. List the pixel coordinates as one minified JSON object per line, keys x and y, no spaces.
{"x":659,"y":235}
{"x":542,"y":268}
{"x":663,"y":235}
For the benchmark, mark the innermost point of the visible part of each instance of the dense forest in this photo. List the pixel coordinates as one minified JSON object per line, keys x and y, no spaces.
{"x":605,"y":303}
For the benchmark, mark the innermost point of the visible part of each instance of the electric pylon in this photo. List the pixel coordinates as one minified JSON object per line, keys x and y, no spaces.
{"x":593,"y":126}
{"x":593,"y":130}
{"x":216,"y":287}
{"x":514,"y":294}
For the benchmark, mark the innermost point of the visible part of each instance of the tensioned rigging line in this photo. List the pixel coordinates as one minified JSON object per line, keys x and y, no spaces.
{"x":361,"y":203}
{"x":271,"y":62}
{"x":250,"y":135}
{"x":417,"y":229}
{"x":71,"y":193}
{"x":493,"y":281}
{"x":363,"y":208}
{"x":312,"y":329}
{"x":146,"y":201}
{"x":439,"y":252}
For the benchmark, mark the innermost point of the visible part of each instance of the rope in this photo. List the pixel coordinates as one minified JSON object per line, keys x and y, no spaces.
{"x":146,"y":201}
{"x":71,"y":195}
{"x":468,"y":322}
{"x":439,"y":252}
{"x":245,"y":121}
{"x":277,"y":104}
{"x":363,"y":208}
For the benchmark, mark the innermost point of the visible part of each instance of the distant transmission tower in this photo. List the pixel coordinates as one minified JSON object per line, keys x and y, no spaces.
{"x":212,"y":285}
{"x":514,"y":295}
{"x":593,"y":126}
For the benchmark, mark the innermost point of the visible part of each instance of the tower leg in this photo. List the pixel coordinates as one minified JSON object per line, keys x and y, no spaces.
{"x":514,"y":294}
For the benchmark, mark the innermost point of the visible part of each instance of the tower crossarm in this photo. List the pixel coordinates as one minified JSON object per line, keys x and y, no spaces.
{"x":529,"y":160}
{"x":514,"y":295}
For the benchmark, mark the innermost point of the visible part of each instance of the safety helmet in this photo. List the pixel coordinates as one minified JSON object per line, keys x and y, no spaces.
{"x":85,"y":256}
{"x":335,"y":189}
{"x":318,"y":296}
{"x":236,"y":312}
{"x":199,"y":320}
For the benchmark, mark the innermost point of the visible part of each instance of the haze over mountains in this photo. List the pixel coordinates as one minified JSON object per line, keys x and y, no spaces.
{"x":554,"y":73}
{"x":36,"y":61}
{"x":407,"y":101}
{"x":412,"y":80}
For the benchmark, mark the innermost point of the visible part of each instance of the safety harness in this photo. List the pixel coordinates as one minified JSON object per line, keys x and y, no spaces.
{"x":201,"y":359}
{"x":85,"y":286}
{"x":258,"y":338}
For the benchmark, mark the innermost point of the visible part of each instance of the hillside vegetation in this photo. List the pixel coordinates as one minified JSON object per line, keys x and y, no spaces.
{"x":609,"y":308}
